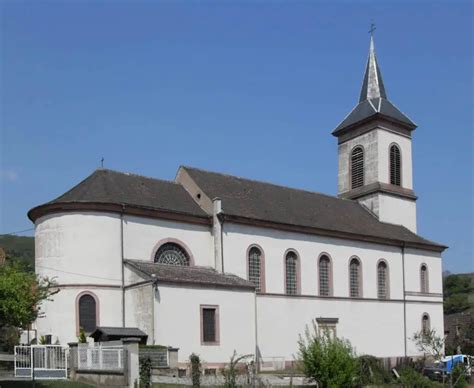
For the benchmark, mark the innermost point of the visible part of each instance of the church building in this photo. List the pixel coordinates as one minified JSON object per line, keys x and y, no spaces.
{"x":211,"y":263}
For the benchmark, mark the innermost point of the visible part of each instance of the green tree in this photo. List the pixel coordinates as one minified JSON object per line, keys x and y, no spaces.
{"x":21,"y":294}
{"x":330,"y":361}
{"x":430,"y":343}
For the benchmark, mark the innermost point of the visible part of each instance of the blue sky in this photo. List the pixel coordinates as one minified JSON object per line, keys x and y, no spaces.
{"x":252,"y":88}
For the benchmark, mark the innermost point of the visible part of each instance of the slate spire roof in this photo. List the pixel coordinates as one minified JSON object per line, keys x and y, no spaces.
{"x":373,"y":100}
{"x":373,"y":86}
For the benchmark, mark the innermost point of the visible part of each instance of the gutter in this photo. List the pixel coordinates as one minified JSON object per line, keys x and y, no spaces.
{"x":404,"y":304}
{"x":123,"y":265}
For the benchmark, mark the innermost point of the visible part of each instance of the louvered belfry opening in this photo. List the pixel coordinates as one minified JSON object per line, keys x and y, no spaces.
{"x":395,"y":166}
{"x":357,"y":167}
{"x":87,"y":313}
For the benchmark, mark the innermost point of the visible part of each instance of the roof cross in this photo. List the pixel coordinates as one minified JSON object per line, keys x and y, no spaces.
{"x":372,"y":29}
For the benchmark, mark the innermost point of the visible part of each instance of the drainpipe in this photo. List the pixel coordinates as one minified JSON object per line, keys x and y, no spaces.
{"x":404,"y":303}
{"x":123,"y":269}
{"x":218,"y":234}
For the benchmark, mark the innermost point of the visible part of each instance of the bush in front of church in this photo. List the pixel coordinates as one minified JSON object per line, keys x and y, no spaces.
{"x":326,"y":359}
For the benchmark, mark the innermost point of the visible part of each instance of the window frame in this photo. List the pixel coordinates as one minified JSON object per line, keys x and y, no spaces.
{"x":360,"y":277}
{"x":216,"y":342}
{"x":97,"y":310}
{"x":387,"y":279}
{"x":330,"y":275}
{"x":424,"y":286}
{"x":176,"y":241}
{"x":298,"y":272}
{"x":397,"y":146}
{"x":262,"y":266}
{"x":351,"y":185}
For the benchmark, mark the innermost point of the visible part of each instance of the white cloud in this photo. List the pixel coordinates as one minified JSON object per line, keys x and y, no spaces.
{"x":8,"y":175}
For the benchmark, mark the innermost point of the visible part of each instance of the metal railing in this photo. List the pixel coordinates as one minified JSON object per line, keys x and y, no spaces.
{"x":272,"y":363}
{"x":41,"y":361}
{"x":104,"y":358}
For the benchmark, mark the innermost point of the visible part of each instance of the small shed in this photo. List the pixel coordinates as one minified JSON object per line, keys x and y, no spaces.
{"x":107,"y":333}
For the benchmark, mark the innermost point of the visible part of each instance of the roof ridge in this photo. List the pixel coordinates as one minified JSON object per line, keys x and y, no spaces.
{"x":268,"y":183}
{"x":137,"y":175}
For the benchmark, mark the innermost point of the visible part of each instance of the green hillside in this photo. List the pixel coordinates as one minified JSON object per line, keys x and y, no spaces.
{"x":19,"y":248}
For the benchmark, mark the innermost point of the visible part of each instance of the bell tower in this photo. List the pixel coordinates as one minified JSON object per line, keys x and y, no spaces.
{"x":375,"y":152}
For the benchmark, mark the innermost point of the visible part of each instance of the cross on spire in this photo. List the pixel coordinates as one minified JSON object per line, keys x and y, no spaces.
{"x":372,"y":29}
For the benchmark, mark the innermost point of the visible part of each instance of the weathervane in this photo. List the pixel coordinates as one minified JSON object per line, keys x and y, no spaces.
{"x":102,"y":162}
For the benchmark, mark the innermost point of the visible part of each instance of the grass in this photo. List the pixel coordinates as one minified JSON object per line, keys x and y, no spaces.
{"x":42,"y":384}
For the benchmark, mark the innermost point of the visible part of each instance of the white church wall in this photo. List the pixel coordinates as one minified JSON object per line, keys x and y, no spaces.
{"x":415,"y":313}
{"x":237,"y":239}
{"x":414,"y":258}
{"x":78,"y":248}
{"x":385,"y":140}
{"x":142,"y":235}
{"x":178,"y":321}
{"x":60,"y":315}
{"x":139,"y":309}
{"x":372,"y":327}
{"x":398,"y":211}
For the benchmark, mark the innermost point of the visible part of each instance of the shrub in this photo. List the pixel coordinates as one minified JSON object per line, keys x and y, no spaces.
{"x":329,"y":361}
{"x":195,"y":369}
{"x":145,"y":372}
{"x":409,"y":377}
{"x":230,"y":372}
{"x":371,"y":371}
{"x":82,"y":336}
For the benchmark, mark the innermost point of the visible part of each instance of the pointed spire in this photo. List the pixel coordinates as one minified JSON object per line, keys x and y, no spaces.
{"x":373,"y":86}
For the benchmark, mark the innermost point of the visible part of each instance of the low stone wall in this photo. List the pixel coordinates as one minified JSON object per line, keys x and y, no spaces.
{"x":160,"y":357}
{"x":101,"y":378}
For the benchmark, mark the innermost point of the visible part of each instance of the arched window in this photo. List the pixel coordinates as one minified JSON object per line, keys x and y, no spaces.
{"x":324,"y":276}
{"x":425,"y":323}
{"x":87,"y":311}
{"x":256,"y":268}
{"x":354,"y":278}
{"x":382,"y":280}
{"x":291,"y":272}
{"x":171,"y":253}
{"x":424,"y":278}
{"x":357,"y":167}
{"x":395,"y":165}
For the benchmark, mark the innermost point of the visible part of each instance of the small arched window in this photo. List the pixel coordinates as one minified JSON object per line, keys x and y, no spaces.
{"x":172,"y":254}
{"x":382,"y":280}
{"x":255,"y":269}
{"x":354,"y":278}
{"x":87,"y":309}
{"x":324,"y":276}
{"x":357,"y":167}
{"x":424,"y":278}
{"x":425,"y":324}
{"x":395,"y":165}
{"x":291,"y":272}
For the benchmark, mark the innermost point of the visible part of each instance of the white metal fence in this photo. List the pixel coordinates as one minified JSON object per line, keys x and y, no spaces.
{"x":41,"y":361}
{"x":272,"y":363}
{"x":106,"y":358}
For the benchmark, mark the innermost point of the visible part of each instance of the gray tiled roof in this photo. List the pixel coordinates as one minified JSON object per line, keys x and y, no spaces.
{"x":119,"y":331}
{"x":195,"y":275}
{"x":373,"y":99}
{"x":112,"y":187}
{"x":283,"y":205}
